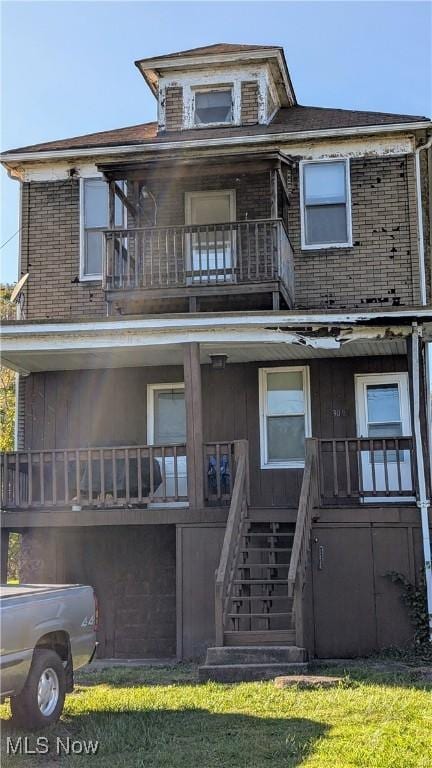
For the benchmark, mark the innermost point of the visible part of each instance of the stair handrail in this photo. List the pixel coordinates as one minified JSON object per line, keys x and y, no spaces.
{"x":308,"y":500}
{"x":230,"y":546}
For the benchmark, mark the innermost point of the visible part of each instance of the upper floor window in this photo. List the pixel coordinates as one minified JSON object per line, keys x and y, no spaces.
{"x":325,"y":204}
{"x":94,"y":219}
{"x":213,"y":106}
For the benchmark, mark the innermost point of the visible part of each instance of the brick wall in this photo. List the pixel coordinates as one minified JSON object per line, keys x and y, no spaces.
{"x":382,"y":267}
{"x":249,"y":102}
{"x":173,"y":109}
{"x":50,"y":252}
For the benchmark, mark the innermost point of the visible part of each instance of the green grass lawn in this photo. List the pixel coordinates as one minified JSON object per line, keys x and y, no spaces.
{"x":162,"y":718}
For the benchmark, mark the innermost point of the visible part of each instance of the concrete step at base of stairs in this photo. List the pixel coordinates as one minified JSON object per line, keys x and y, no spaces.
{"x":237,"y":673}
{"x":255,"y":654}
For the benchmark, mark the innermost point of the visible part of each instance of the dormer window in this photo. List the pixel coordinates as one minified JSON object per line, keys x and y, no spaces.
{"x":213,"y":107}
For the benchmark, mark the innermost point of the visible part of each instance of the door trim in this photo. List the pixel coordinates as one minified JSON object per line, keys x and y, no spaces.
{"x":189,"y":196}
{"x":400,"y":378}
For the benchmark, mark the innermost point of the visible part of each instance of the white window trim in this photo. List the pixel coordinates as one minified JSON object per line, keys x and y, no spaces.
{"x":315,"y":247}
{"x":82,"y":276}
{"x":304,"y":369}
{"x":179,"y":385}
{"x":363,"y":379}
{"x":209,"y":89}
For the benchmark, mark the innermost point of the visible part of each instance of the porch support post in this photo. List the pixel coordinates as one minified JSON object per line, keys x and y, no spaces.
{"x":418,"y":414}
{"x":194,"y":425}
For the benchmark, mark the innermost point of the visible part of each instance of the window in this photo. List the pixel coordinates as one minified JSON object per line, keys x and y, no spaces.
{"x":213,"y":106}
{"x":94,"y":218}
{"x":326,"y":204}
{"x":284,"y":416}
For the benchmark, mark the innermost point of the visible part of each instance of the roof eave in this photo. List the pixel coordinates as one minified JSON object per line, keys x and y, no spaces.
{"x":264,"y":138}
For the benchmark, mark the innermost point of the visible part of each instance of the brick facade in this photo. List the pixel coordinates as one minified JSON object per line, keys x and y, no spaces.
{"x":50,"y":251}
{"x":380,"y":269}
{"x":249,"y":102}
{"x":173,"y":109}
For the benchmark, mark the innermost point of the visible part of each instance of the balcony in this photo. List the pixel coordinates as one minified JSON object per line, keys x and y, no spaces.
{"x":242,"y":257}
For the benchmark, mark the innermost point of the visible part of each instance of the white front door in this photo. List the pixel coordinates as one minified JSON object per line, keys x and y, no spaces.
{"x":166,"y":425}
{"x":211,"y":248}
{"x":382,"y":403}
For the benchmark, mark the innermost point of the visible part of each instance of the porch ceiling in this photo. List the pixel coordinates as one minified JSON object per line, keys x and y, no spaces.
{"x":29,"y":361}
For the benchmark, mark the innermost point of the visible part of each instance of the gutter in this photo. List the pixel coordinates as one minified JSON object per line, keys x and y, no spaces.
{"x":420,"y":233}
{"x":59,"y":154}
{"x":422,"y":502}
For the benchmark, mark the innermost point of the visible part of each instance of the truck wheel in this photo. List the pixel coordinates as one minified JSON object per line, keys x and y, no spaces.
{"x":40,"y":703}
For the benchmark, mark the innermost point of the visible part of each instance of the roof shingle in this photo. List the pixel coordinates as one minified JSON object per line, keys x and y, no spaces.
{"x":293,"y":119}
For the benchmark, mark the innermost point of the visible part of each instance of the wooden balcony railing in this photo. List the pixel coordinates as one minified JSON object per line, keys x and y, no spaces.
{"x":152,"y":258}
{"x":365,"y":469}
{"x":100,"y":477}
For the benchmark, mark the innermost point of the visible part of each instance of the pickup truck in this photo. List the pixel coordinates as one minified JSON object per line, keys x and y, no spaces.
{"x":47,"y":632}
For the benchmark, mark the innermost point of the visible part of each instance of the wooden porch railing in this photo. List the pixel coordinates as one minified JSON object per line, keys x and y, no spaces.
{"x":302,"y":535}
{"x":358,"y":468}
{"x":192,"y":255}
{"x":232,"y":539}
{"x":103,"y":476}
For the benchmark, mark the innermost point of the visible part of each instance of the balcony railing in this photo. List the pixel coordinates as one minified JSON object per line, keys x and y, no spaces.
{"x":111,"y":476}
{"x":152,"y":258}
{"x":365,"y":469}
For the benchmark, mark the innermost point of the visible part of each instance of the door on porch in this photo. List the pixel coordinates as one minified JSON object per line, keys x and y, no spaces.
{"x":166,"y":425}
{"x":382,"y":402}
{"x":211,"y":248}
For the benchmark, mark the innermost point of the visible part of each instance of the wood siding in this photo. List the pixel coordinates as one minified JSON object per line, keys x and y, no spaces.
{"x":108,"y":407}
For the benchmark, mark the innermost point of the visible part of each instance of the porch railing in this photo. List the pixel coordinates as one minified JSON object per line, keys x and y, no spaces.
{"x":359,"y":468}
{"x":114,"y":476}
{"x":193,"y":255}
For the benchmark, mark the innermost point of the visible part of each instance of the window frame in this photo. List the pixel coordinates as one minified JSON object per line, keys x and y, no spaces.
{"x":263,"y":372}
{"x":208,"y":89}
{"x":151,"y":389}
{"x":82,"y":275}
{"x":320,"y":246}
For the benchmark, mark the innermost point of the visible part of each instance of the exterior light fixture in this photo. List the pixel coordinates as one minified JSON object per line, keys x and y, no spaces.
{"x":218,"y":362}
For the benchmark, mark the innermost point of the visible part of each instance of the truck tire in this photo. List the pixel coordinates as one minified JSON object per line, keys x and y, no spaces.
{"x":41,"y":701}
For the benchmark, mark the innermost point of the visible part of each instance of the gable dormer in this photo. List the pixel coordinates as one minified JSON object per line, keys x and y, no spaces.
{"x":218,"y":86}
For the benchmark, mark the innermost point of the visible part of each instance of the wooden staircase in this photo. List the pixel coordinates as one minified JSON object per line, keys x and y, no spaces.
{"x":260,"y":582}
{"x":259,"y":607}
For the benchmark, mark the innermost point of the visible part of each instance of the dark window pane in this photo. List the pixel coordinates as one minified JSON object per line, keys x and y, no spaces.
{"x":213,"y":107}
{"x":285,"y":438}
{"x":169,"y":417}
{"x":95,"y":203}
{"x":93,"y":253}
{"x":326,"y":224}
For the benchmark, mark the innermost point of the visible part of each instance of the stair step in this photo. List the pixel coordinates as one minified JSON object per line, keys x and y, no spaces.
{"x":266,"y":598}
{"x":259,"y":615}
{"x":260,"y":581}
{"x":273,"y":566}
{"x":256,"y":654}
{"x":260,"y":637}
{"x":235,"y":673}
{"x":272,"y":550}
{"x":268,"y":534}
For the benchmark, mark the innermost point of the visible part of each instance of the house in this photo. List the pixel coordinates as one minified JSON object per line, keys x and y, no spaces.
{"x":221,"y":362}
